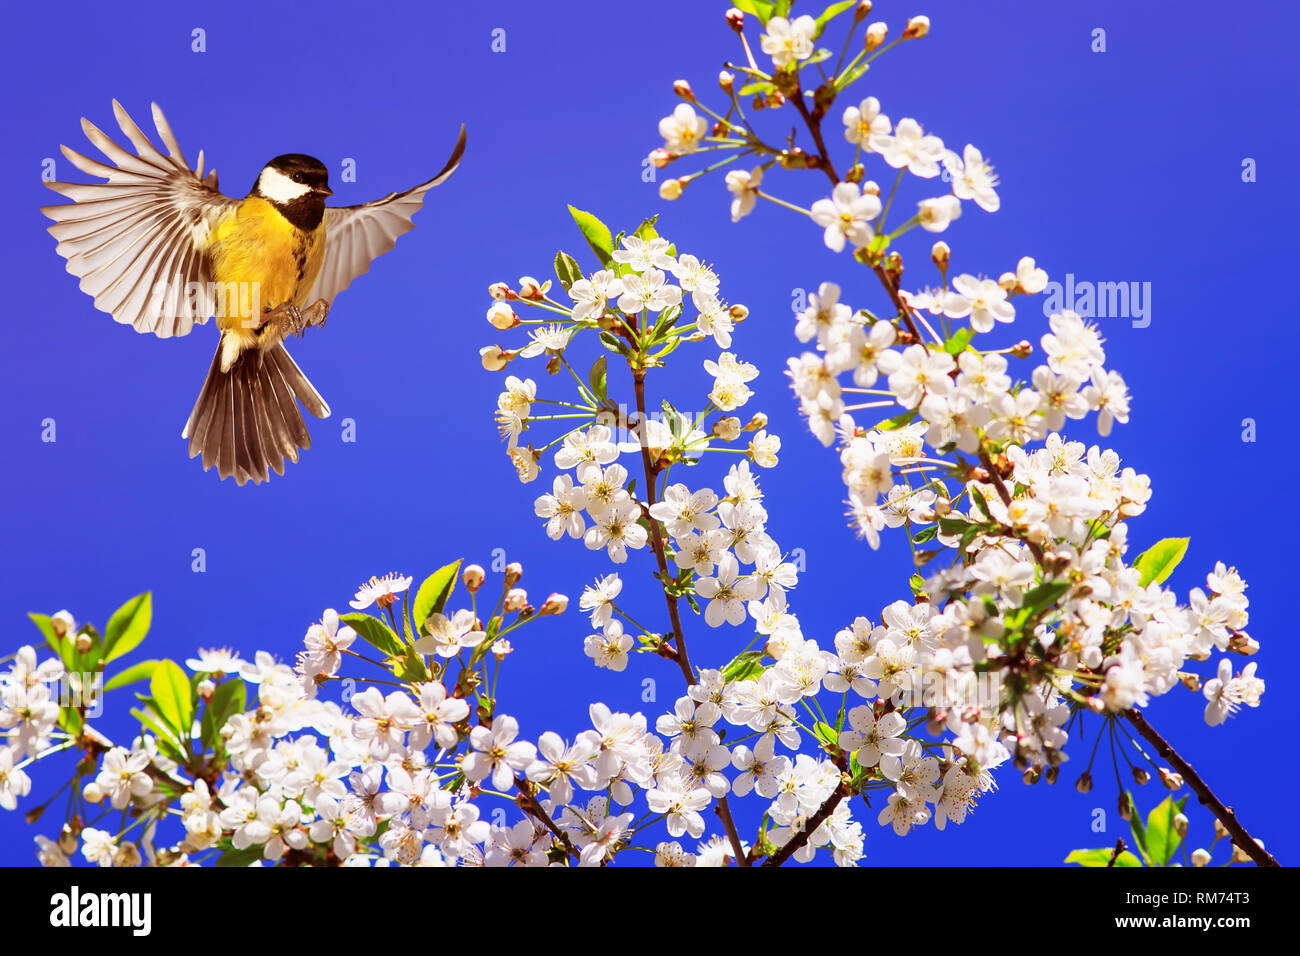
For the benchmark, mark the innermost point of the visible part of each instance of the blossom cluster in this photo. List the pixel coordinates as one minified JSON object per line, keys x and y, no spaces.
{"x":940,"y":436}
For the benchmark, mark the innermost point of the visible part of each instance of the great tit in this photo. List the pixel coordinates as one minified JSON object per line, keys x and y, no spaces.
{"x":161,"y":249}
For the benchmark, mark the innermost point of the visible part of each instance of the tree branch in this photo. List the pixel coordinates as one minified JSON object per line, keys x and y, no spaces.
{"x":810,"y":826}
{"x":1240,"y":836}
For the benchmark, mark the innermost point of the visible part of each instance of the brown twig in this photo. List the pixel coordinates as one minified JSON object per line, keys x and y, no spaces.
{"x":679,"y":638}
{"x":1240,"y":836}
{"x":1114,"y":854}
{"x":810,"y":826}
{"x":528,"y":803}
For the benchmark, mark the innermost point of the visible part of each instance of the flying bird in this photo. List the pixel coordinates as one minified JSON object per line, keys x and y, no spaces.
{"x":160,"y":248}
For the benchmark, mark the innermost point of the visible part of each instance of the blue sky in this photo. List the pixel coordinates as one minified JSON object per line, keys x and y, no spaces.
{"x":1116,"y":166}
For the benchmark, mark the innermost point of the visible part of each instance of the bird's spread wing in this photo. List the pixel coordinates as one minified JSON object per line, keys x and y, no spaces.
{"x":357,"y":235}
{"x":138,"y":242}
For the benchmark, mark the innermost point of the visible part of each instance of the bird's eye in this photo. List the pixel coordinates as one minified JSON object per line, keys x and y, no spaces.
{"x":297,"y":177}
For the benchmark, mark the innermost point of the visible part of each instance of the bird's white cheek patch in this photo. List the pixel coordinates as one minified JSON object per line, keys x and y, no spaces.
{"x":278,"y":187}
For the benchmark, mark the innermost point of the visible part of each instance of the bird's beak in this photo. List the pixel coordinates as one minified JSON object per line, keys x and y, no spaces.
{"x":324,"y":190}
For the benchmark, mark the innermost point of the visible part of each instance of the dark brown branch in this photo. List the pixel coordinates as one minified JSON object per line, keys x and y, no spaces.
{"x":1240,"y":836}
{"x":528,"y":803}
{"x":810,"y":826}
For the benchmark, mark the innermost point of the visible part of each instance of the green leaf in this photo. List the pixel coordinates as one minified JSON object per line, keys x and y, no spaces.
{"x":1157,"y":562}
{"x":128,"y":626}
{"x":1101,"y":857}
{"x":830,"y":13}
{"x":897,"y":422}
{"x":646,"y":231}
{"x":825,"y":733}
{"x":759,"y":8}
{"x":412,"y":668}
{"x":745,"y":666}
{"x":137,"y":672}
{"x":1044,"y":595}
{"x":432,"y":596}
{"x":375,"y":633}
{"x":597,"y":235}
{"x":1162,"y":838}
{"x":925,"y":534}
{"x":245,"y":857}
{"x":567,"y":269}
{"x":758,"y":86}
{"x":165,"y":735}
{"x":173,"y":698}
{"x":227,"y":700}
{"x":70,"y":720}
{"x":597,"y":379}
{"x":64,"y":648}
{"x":957,"y":344}
{"x":1135,"y":824}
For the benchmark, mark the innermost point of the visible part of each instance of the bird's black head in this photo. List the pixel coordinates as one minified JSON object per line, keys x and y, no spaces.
{"x":297,"y":184}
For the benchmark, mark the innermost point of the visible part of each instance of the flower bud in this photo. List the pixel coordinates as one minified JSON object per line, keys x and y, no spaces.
{"x":514,"y":571}
{"x":940,"y":255}
{"x":500,"y":291}
{"x":1242,"y":643}
{"x":555,"y":604}
{"x":660,"y":158}
{"x":1180,"y":824}
{"x":1032,"y":775}
{"x":1171,"y":780}
{"x":1220,"y":831}
{"x":63,"y":624}
{"x":1191,"y":681}
{"x":495,"y":358}
{"x":501,"y":647}
{"x":1022,"y":349}
{"x":861,"y":11}
{"x":84,"y":643}
{"x":871,"y":188}
{"x":126,"y":855}
{"x":530,"y":288}
{"x":1141,"y":776}
{"x":735,"y":19}
{"x":1008,"y":281}
{"x":671,"y":189}
{"x":1053,"y":772}
{"x":875,"y":35}
{"x":759,"y":421}
{"x":68,"y":836}
{"x":1084,"y":783}
{"x":738,"y":313}
{"x":683,"y":89}
{"x":726,"y":80}
{"x":472,"y":577}
{"x":516,"y":599}
{"x":93,"y":793}
{"x":1125,"y":807}
{"x":206,"y":689}
{"x":1239,"y":855}
{"x":728,"y":429}
{"x":502,"y":317}
{"x":916,"y":28}
{"x":1200,"y":857}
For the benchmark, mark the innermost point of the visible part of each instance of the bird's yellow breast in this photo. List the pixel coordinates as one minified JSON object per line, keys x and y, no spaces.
{"x":260,"y":261}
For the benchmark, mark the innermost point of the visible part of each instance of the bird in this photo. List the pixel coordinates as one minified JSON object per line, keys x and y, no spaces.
{"x":160,"y":248}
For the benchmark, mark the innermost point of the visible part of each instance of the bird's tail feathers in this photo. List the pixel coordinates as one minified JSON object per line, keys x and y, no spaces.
{"x":246,"y":420}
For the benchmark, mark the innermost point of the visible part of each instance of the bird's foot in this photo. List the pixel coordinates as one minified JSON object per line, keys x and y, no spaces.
{"x":291,"y":320}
